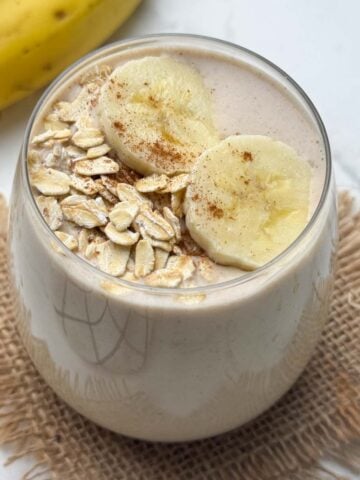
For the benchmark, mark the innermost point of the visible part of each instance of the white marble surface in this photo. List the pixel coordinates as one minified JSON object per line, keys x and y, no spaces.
{"x":316,"y":42}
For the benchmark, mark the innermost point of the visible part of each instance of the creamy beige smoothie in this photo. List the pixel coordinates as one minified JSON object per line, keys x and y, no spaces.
{"x":243,"y":101}
{"x":209,"y":345}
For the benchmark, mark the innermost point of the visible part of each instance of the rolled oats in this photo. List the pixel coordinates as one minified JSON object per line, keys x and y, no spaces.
{"x":141,"y":236}
{"x":78,"y":111}
{"x":161,"y":257}
{"x":104,"y":192}
{"x":84,"y":212}
{"x":144,"y":258}
{"x":50,"y":181}
{"x":97,"y":75}
{"x":84,"y":121}
{"x":83,"y":240}
{"x":111,"y":258}
{"x":177,"y":203}
{"x":101,"y":204}
{"x":164,"y":278}
{"x":110,"y":184}
{"x":166,"y":246}
{"x":183,"y":264}
{"x":73,"y":200}
{"x":52,"y":122}
{"x":59,"y":151}
{"x":156,"y":217}
{"x":63,"y":134}
{"x":93,"y":242}
{"x":152,"y":183}
{"x":130,"y":267}
{"x":42,"y":137}
{"x":100,"y":151}
{"x":50,"y":143}
{"x":150,"y":228}
{"x":206,"y":269}
{"x":177,"y":183}
{"x":34,"y":160}
{"x":128,"y":193}
{"x":125,"y":238}
{"x":87,"y":138}
{"x":123,"y":214}
{"x":68,"y":240}
{"x":90,"y":251}
{"x":75,"y":152}
{"x":66,"y":111}
{"x":51,"y":161}
{"x":173,"y":221}
{"x":97,"y":166}
{"x":51,"y":211}
{"x":84,"y":184}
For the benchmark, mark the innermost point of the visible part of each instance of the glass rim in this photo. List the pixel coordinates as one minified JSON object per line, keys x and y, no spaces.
{"x":243,"y":278}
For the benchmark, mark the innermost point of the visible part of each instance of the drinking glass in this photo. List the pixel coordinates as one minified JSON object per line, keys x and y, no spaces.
{"x":170,"y":364}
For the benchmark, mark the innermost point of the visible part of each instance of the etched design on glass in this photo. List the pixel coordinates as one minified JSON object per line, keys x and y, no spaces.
{"x":117,"y":342}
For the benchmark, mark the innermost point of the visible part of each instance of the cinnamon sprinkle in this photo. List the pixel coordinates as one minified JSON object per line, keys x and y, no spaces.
{"x":215,"y":210}
{"x":163,"y":150}
{"x":247,"y":156}
{"x":119,"y":126}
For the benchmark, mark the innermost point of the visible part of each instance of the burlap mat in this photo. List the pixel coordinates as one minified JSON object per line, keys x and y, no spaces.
{"x":320,"y":414}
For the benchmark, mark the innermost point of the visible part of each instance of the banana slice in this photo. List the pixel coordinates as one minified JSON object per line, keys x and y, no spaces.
{"x":157,"y":114}
{"x":248,"y":200}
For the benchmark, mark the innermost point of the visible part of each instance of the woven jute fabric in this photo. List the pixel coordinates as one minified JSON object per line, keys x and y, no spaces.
{"x":320,"y":414}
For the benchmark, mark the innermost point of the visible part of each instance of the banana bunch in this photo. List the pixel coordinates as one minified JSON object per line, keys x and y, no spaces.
{"x":40,"y":38}
{"x":248,"y":197}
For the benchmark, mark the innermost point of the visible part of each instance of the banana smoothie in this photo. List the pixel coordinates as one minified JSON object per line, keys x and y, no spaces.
{"x":149,"y":171}
{"x":180,"y":265}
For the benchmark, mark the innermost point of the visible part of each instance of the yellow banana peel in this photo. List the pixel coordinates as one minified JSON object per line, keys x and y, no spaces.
{"x":39,"y":38}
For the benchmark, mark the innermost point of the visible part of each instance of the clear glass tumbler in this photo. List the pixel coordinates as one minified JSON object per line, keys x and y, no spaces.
{"x":170,"y":364}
